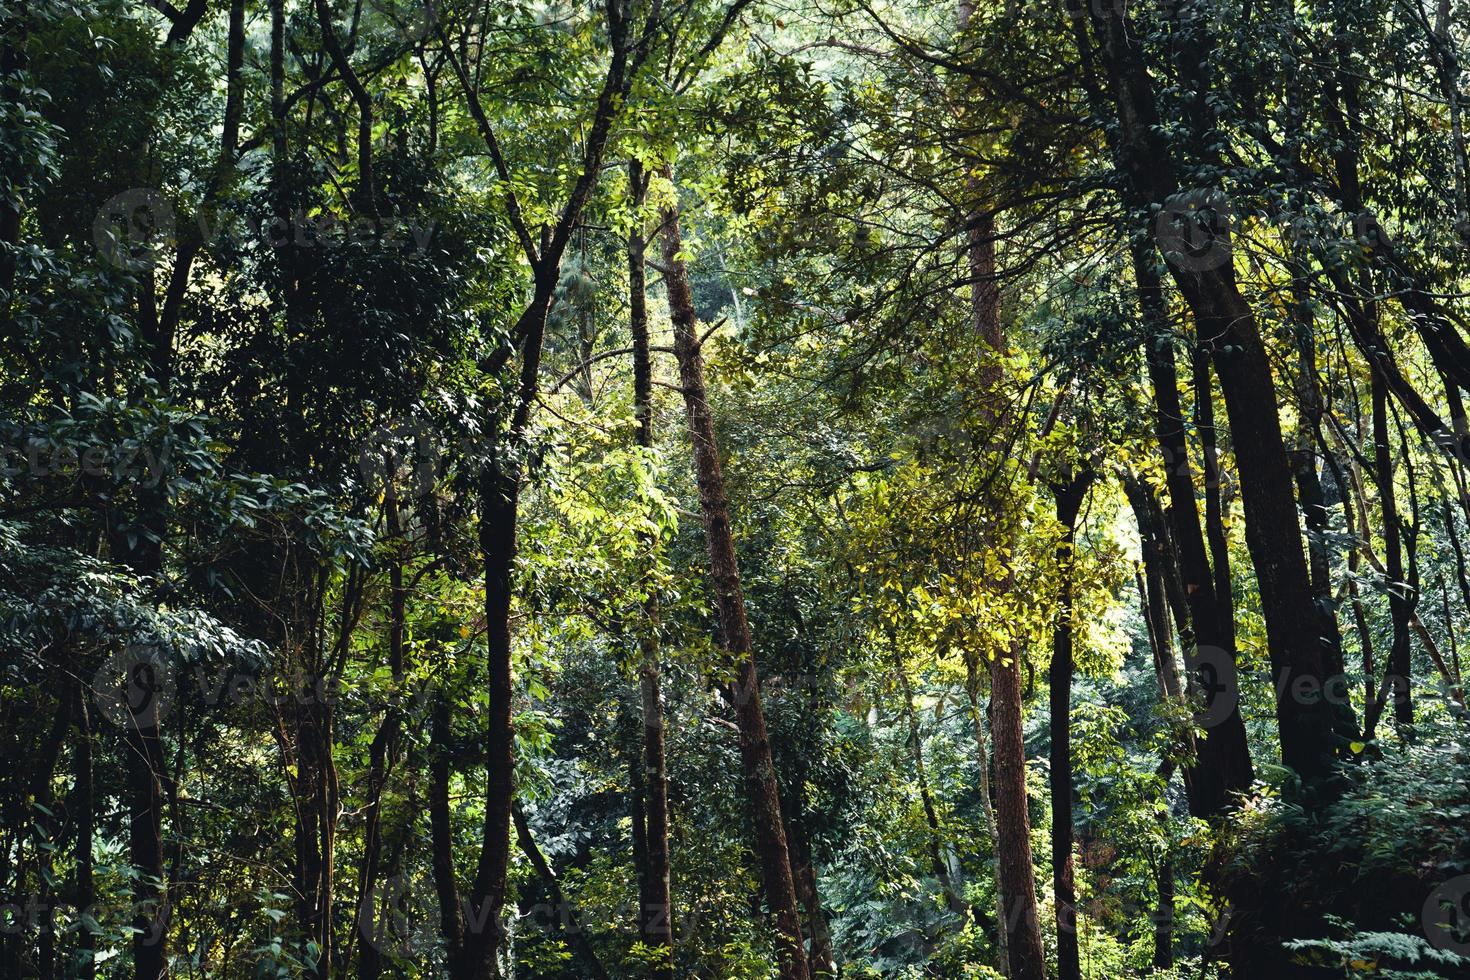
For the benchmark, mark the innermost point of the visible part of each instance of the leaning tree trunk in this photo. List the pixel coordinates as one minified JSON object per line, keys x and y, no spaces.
{"x":804,"y":876}
{"x":755,"y":747}
{"x":1226,"y":324}
{"x":1224,"y":761}
{"x":566,"y":913}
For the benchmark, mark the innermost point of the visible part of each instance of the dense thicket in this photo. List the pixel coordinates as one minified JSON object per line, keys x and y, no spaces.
{"x":723,"y":488}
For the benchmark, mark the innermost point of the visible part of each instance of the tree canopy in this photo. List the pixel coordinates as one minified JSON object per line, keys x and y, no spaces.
{"x":734,"y":489}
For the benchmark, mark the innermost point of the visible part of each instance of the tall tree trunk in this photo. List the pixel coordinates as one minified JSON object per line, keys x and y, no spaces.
{"x":82,"y":809}
{"x":1157,"y":611}
{"x":1219,"y":541}
{"x":144,"y":793}
{"x":1016,"y":874}
{"x":1400,"y":603}
{"x":755,"y":747}
{"x":1161,"y":643}
{"x":1069,"y":495}
{"x":1224,"y":762}
{"x":987,"y":803}
{"x":499,"y":504}
{"x":384,"y":748}
{"x":1164,"y":913}
{"x":474,"y":939}
{"x":656,"y":914}
{"x":316,"y":821}
{"x":1227,"y":326}
{"x":1314,"y":510}
{"x":804,"y":876}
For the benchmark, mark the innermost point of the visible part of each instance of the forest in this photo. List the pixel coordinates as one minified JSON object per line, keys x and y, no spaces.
{"x":794,"y":489}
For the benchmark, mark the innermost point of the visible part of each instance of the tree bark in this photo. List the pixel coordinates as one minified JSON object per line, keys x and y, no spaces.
{"x":804,"y":876}
{"x":143,"y":762}
{"x":1315,"y":512}
{"x":656,"y":914}
{"x":1227,"y":326}
{"x":1016,"y":874}
{"x":1151,"y":605}
{"x":1223,"y":766}
{"x":1400,"y":603}
{"x":474,"y":938}
{"x":755,"y":747}
{"x":1013,"y":821}
{"x":1068,"y":494}
{"x":384,"y":748}
{"x":1219,"y":541}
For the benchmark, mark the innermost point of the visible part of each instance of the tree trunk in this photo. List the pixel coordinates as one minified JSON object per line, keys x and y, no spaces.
{"x":143,"y":755}
{"x":1164,"y":914}
{"x":1013,"y":821}
{"x":82,"y":809}
{"x":1204,"y":424}
{"x":1161,"y":643}
{"x":656,"y":899}
{"x":441,"y":837}
{"x":1227,"y":327}
{"x":1069,"y":496}
{"x":804,"y":876}
{"x":1314,"y":504}
{"x":755,"y":747}
{"x":1400,"y":603}
{"x":1224,"y":762}
{"x":1015,"y":873}
{"x":499,"y":503}
{"x":566,"y":914}
{"x":384,"y":748}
